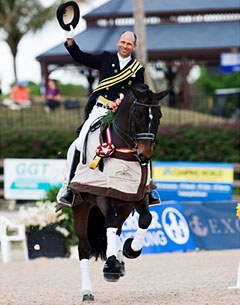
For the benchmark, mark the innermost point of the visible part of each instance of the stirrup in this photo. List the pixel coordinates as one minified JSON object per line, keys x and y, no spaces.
{"x":154,"y":201}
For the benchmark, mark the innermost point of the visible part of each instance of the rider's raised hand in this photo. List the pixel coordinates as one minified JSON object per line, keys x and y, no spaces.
{"x":70,"y":34}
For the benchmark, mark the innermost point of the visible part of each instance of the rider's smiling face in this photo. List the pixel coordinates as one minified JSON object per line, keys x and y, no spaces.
{"x":126,"y":44}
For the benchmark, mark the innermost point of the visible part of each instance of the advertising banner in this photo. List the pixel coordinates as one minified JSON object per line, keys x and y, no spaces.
{"x":168,"y":232}
{"x":230,"y":62}
{"x":213,"y":224}
{"x":193,"y":181}
{"x":30,"y":179}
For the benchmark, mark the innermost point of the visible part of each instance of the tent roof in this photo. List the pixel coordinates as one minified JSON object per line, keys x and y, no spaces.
{"x":203,"y":40}
{"x":164,"y":7}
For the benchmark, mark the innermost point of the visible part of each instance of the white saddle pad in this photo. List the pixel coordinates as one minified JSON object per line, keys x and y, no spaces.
{"x":124,"y":176}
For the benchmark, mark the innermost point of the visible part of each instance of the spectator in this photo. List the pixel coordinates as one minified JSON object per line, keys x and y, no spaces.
{"x":52,"y":95}
{"x":20,"y":96}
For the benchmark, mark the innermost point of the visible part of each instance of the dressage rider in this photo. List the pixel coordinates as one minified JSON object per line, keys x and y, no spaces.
{"x":117,"y":72}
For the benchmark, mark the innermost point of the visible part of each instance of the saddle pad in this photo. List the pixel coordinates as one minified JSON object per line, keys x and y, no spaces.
{"x":121,"y":179}
{"x":123,"y":176}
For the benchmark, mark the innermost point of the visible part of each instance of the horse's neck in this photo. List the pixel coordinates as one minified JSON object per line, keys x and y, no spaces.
{"x":121,"y":129}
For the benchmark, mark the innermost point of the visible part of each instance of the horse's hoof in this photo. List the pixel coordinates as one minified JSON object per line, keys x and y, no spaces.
{"x":87,"y":297}
{"x":112,"y":269}
{"x":128,"y":251}
{"x":111,"y":277}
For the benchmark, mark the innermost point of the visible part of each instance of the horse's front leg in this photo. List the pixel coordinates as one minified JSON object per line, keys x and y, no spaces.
{"x":80,"y":215}
{"x":133,"y":246}
{"x":123,"y":213}
{"x":112,"y":269}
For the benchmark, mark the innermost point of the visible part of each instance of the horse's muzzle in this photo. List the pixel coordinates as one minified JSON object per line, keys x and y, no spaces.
{"x":145,"y":152}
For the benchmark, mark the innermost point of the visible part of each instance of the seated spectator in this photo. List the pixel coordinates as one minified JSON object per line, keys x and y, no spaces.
{"x":20,"y":96}
{"x":52,"y":95}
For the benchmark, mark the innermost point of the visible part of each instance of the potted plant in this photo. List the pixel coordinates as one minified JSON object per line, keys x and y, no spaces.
{"x":49,"y":233}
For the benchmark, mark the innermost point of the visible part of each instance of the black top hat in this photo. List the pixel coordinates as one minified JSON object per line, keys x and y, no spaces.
{"x":68,"y":14}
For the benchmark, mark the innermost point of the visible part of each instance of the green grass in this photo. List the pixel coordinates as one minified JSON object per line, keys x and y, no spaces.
{"x":36,"y":117}
{"x":176,"y":116}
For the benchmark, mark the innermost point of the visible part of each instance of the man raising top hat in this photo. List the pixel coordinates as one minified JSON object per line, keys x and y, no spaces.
{"x":114,"y":79}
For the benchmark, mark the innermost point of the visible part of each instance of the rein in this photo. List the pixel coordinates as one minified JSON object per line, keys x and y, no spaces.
{"x":136,"y":136}
{"x":123,"y":135}
{"x":106,"y":149}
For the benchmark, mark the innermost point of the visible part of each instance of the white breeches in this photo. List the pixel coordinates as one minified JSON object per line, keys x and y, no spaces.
{"x":94,"y":116}
{"x":92,"y":144}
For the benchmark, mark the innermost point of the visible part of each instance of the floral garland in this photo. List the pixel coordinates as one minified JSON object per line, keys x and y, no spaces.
{"x":106,"y":149}
{"x":109,"y":116}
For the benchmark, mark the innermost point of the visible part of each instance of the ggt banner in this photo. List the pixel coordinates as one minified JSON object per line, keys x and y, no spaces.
{"x":168,"y":232}
{"x":30,"y":179}
{"x":193,"y":181}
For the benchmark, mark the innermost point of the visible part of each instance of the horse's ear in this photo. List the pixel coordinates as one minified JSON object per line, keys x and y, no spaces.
{"x":139,"y":90}
{"x":162,"y":94}
{"x":136,"y":92}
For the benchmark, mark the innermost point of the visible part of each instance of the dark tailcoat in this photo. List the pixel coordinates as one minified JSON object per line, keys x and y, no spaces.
{"x":108,"y":65}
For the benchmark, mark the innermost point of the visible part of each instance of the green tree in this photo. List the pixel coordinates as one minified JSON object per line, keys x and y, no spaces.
{"x":209,"y":83}
{"x":18,"y":17}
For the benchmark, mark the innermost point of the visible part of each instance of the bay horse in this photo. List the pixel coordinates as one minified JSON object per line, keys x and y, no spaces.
{"x":98,"y":219}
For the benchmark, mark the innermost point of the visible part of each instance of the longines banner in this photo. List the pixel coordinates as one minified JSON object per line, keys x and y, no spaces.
{"x":187,"y":226}
{"x":193,"y":181}
{"x":214,"y":224}
{"x":169,"y":230}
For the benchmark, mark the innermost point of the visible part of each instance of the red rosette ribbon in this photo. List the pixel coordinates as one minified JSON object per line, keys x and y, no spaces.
{"x":105,"y":150}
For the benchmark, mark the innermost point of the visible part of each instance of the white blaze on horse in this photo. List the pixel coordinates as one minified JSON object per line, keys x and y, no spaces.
{"x":119,"y":184}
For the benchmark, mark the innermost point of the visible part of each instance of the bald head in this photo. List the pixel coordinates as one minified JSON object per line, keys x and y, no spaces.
{"x":126,"y":44}
{"x":130,"y":34}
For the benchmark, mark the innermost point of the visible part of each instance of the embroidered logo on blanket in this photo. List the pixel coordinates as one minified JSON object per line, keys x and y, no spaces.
{"x":124,"y":173}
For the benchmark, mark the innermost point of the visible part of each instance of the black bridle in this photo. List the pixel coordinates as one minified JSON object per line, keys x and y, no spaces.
{"x":144,"y":135}
{"x":131,"y":140}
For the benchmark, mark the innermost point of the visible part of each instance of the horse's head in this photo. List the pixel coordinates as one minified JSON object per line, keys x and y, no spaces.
{"x":145,"y":118}
{"x":137,"y":120}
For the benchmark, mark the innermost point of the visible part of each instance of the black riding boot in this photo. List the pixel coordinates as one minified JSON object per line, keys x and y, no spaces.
{"x":68,"y":197}
{"x":153,"y":200}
